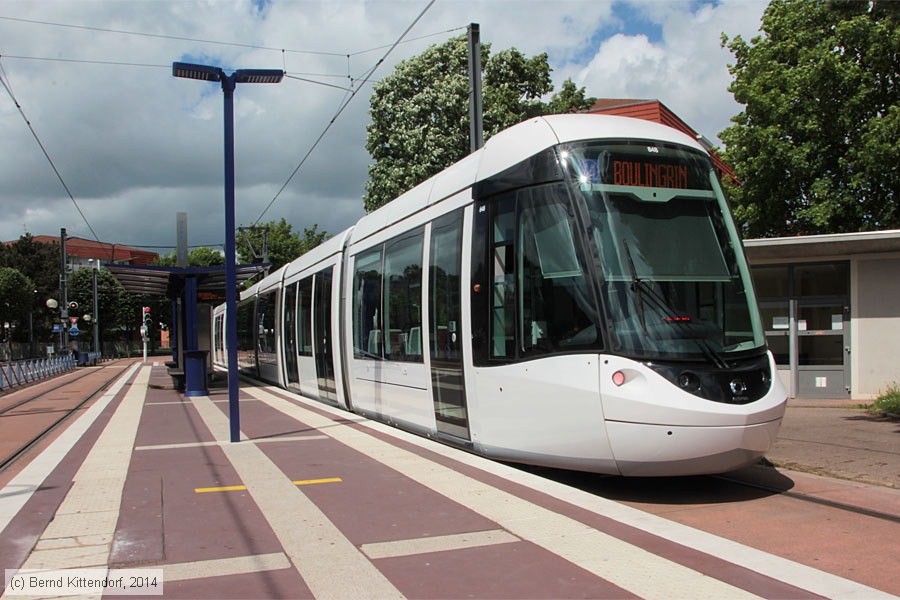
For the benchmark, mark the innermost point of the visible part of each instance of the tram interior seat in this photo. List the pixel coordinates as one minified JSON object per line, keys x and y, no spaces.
{"x":396,"y":342}
{"x":374,"y":342}
{"x":414,"y":341}
{"x":442,"y":343}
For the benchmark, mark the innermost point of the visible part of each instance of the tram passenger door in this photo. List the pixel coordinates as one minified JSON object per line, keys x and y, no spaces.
{"x":289,"y":335}
{"x":445,"y":320}
{"x":322,"y":341}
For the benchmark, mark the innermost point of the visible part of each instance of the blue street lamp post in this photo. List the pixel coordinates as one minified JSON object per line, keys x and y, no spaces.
{"x":208,"y":73}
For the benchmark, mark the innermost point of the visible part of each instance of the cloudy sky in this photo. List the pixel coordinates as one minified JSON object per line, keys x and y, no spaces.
{"x":135,"y":145}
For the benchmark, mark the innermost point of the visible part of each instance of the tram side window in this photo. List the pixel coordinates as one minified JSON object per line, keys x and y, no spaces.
{"x":265,"y":339}
{"x":445,"y":287}
{"x":304,"y":317}
{"x":218,"y":322}
{"x":367,"y":338}
{"x":246,"y":351}
{"x":503,"y":299}
{"x":402,"y":298}
{"x":542,"y":298}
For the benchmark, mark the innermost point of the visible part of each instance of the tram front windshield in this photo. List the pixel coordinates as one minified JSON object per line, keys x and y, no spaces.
{"x":674,"y":280}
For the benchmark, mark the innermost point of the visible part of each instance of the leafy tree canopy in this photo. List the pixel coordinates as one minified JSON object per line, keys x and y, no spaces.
{"x":38,"y":261}
{"x":16,"y":296}
{"x":284,"y":245}
{"x":420,"y":112}
{"x":39,"y":264}
{"x":118,"y":309}
{"x":198,"y":257}
{"x":815,"y":147}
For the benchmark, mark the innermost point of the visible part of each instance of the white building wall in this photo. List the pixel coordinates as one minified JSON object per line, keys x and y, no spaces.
{"x":876,"y":322}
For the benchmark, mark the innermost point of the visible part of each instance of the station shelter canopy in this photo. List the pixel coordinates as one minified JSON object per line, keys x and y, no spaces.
{"x":169,"y":281}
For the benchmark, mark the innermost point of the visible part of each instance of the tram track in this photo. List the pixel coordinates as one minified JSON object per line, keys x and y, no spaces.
{"x":704,"y":491}
{"x":850,"y":508}
{"x":43,"y":391}
{"x":10,"y":457}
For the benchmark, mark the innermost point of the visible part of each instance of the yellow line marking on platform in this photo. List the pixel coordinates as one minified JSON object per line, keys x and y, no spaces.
{"x":227,"y":488}
{"x":312,"y":481}
{"x":237,"y":488}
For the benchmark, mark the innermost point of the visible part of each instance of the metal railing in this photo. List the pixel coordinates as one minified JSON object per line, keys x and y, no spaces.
{"x":89,"y":358}
{"x":26,"y":371}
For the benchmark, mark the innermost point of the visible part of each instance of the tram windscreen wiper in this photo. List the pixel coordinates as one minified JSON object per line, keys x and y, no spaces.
{"x":671,"y":316}
{"x":636,"y":286}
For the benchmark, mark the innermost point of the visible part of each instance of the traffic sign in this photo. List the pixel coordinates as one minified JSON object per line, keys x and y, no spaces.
{"x":73,"y":331}
{"x":73,"y":320}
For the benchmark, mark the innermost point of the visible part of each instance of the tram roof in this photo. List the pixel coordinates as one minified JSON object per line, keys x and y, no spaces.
{"x":510,"y":147}
{"x":168,"y":281}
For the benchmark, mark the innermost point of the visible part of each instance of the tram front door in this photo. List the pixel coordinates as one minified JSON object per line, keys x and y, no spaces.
{"x":445,"y":318}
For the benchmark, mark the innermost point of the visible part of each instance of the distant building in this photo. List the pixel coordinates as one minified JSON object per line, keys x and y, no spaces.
{"x":829,"y":307}
{"x":79,"y":251}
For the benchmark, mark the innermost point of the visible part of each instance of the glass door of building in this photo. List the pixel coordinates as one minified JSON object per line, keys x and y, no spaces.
{"x":806,"y":312}
{"x":823,"y":348}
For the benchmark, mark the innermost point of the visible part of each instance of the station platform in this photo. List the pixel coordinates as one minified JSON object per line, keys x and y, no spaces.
{"x":314,"y":502}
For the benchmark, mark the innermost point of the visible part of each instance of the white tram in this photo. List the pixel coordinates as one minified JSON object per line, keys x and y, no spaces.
{"x":574,"y":294}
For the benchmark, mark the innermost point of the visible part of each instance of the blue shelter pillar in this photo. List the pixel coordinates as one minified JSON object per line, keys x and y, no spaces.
{"x":194,"y":359}
{"x":173,"y":332}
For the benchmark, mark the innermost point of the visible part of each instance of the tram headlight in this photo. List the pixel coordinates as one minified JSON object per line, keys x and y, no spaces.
{"x":689,"y":382}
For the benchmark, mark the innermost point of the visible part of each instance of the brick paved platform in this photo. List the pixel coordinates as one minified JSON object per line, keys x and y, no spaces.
{"x":318,"y":503}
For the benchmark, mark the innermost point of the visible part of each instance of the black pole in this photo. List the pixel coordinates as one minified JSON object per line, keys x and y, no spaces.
{"x":476,"y":123}
{"x":63,"y":287}
{"x":96,"y":335}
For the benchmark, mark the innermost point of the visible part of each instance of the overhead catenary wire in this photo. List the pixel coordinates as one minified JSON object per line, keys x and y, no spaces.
{"x":289,"y":74}
{"x":346,"y":55}
{"x":415,"y":39}
{"x":88,"y":62}
{"x":340,"y":110}
{"x":4,"y":79}
{"x":171,"y":37}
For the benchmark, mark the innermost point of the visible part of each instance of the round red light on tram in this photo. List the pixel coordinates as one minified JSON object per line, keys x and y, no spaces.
{"x":618,"y":378}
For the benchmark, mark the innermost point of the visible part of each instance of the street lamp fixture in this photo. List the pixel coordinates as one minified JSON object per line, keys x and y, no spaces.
{"x":208,"y":73}
{"x":53,"y":304}
{"x":215,"y":74}
{"x":192,"y":71}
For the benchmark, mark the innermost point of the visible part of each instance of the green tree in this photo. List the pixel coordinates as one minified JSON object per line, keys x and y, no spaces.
{"x":420,"y":112}
{"x":16,"y":296}
{"x":815,"y":147}
{"x":569,"y":99}
{"x":40,"y":263}
{"x":117,"y":309}
{"x":202,"y":256}
{"x":284,"y":245}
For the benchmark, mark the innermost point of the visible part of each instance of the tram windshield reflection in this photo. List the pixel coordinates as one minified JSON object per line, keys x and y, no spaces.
{"x":673,"y":277}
